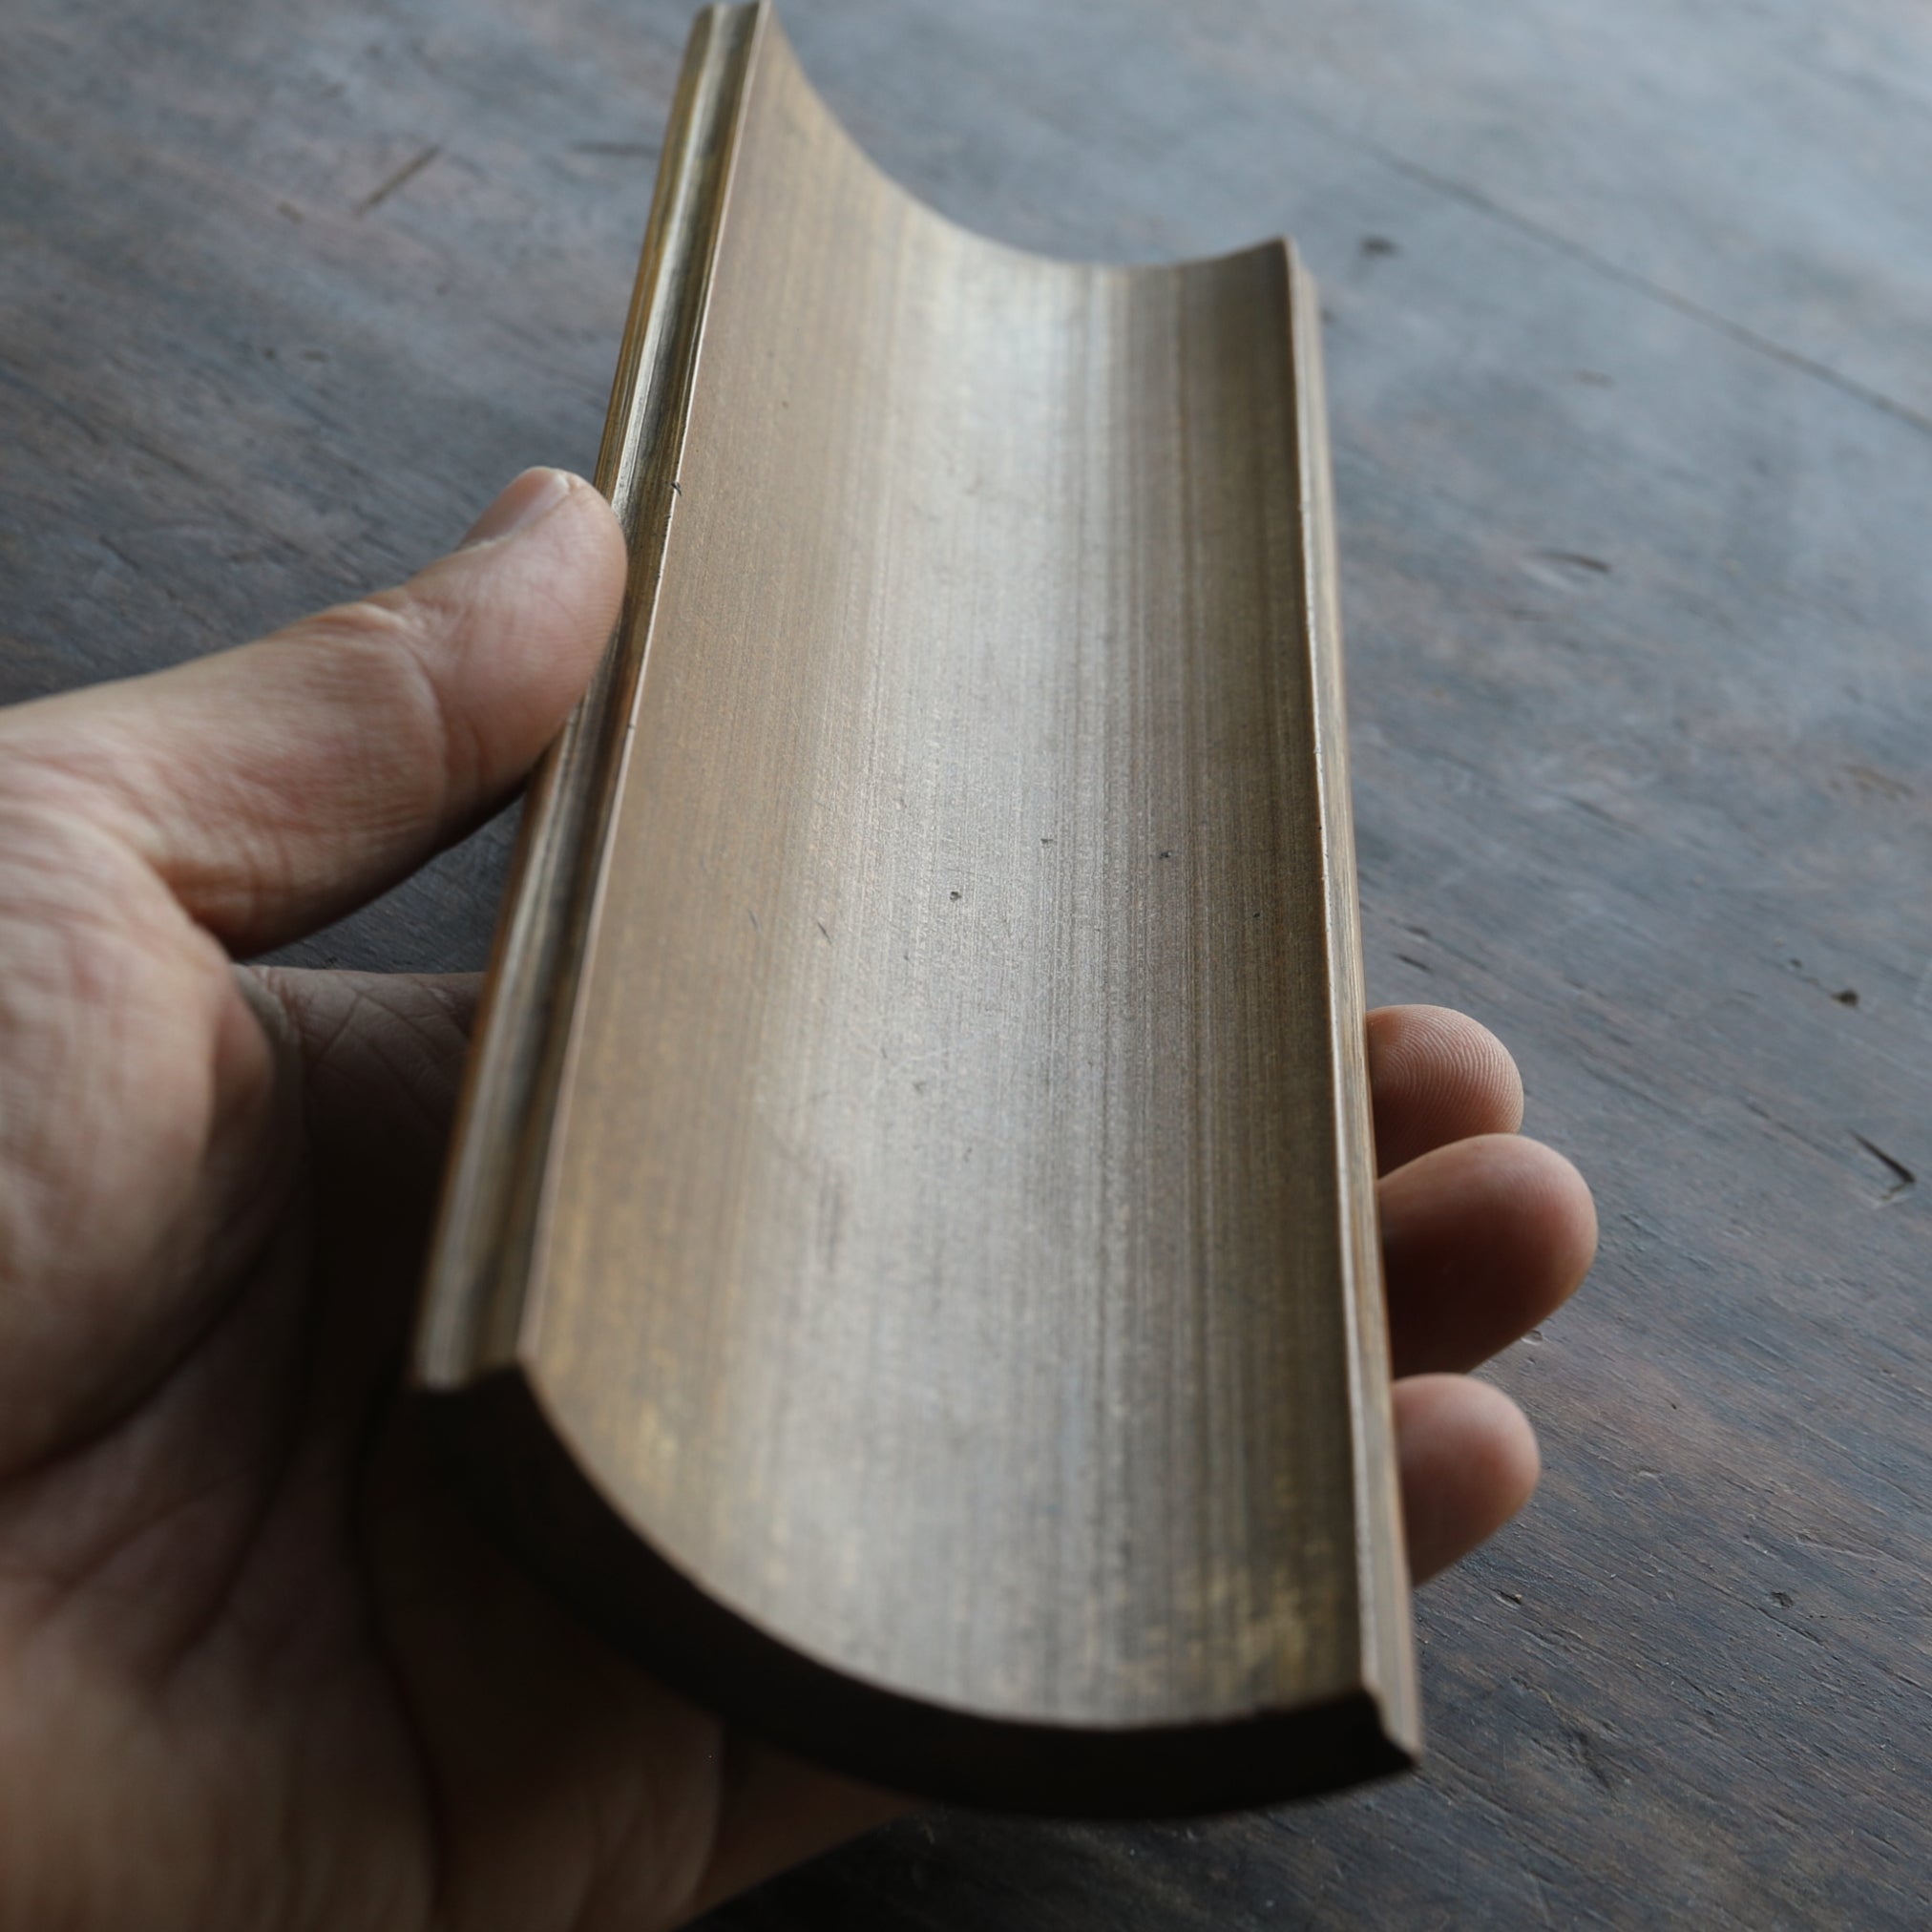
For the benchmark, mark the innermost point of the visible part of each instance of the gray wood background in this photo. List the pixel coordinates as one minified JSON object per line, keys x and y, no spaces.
{"x":1631,"y":353}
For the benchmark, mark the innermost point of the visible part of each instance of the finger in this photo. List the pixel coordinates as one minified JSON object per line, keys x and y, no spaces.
{"x":1436,"y":1076}
{"x":1468,"y":1463}
{"x":776,"y":1811}
{"x":1481,"y":1241}
{"x":277,"y":786}
{"x":382,"y":1058}
{"x":382,"y":1055}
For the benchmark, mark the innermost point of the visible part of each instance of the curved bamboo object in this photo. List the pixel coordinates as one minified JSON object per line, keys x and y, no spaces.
{"x":909,"y":1269}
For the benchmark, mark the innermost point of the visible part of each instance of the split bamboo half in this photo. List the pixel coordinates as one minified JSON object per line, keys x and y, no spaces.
{"x":908,"y":1270}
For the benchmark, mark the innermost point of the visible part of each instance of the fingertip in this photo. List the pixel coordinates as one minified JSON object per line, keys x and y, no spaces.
{"x":549,"y":538}
{"x":1468,"y":1461}
{"x":1481,"y":1239}
{"x":1571,"y":1210}
{"x":511,"y":624}
{"x":548,"y":525}
{"x":520,"y":502}
{"x":1436,"y":1076}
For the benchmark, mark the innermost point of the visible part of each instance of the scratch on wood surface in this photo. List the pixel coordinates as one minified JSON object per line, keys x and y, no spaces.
{"x":1566,"y":569}
{"x":1902,"y":1177}
{"x":1686,"y":305}
{"x":401,"y":178}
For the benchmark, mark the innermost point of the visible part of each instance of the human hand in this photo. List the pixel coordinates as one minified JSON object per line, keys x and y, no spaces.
{"x":256,"y":1670}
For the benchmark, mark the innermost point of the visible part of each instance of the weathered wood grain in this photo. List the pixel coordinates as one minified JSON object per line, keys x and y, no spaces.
{"x":1637,"y":621}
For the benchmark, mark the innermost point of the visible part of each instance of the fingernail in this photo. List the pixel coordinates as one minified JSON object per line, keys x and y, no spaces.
{"x":523,"y":502}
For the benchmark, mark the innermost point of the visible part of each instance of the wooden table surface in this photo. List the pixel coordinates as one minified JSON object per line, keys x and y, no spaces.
{"x":1629,"y":318}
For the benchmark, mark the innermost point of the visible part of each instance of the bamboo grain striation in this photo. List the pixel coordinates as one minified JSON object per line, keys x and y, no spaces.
{"x":909,"y":1266}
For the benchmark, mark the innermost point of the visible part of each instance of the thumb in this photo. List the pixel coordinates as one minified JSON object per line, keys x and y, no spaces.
{"x":275,"y":787}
